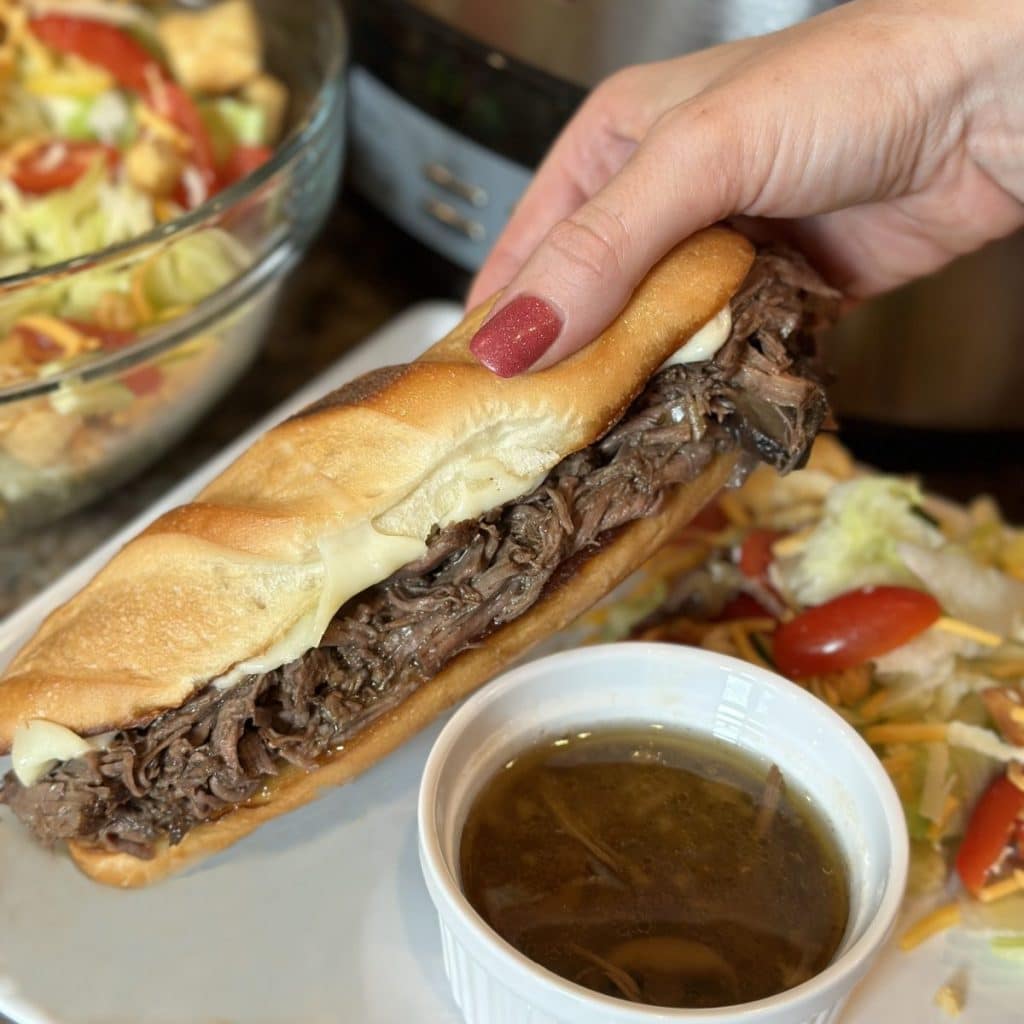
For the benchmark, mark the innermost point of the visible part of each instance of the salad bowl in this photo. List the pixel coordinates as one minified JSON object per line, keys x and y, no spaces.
{"x":124,"y":317}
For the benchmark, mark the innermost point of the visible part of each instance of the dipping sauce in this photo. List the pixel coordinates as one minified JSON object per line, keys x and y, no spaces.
{"x":657,"y":867}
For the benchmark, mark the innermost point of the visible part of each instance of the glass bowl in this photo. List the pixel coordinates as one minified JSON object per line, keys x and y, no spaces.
{"x":70,"y":435}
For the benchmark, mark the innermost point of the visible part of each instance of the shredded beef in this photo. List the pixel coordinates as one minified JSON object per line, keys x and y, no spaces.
{"x":192,"y":763}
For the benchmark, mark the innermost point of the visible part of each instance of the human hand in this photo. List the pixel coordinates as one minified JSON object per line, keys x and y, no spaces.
{"x":884,"y":139}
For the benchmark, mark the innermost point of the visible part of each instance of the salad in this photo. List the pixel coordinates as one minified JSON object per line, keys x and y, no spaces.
{"x":906,"y":614}
{"x":115,"y":118}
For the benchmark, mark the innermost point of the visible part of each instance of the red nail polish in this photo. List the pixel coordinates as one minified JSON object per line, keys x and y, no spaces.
{"x":516,"y":336}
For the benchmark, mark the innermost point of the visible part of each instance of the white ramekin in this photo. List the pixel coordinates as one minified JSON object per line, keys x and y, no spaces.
{"x":683,"y":688}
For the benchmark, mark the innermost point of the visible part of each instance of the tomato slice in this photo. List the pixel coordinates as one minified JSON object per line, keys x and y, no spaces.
{"x":755,"y":554}
{"x":110,"y":338}
{"x":146,"y":380}
{"x":990,"y":829}
{"x":107,"y":46}
{"x":852,"y":628}
{"x":58,"y":164}
{"x":38,"y":347}
{"x":136,"y":69}
{"x":242,"y":162}
{"x":169,"y":100}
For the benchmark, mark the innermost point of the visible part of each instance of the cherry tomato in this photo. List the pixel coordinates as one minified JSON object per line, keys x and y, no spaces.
{"x":146,"y":380}
{"x":242,"y":162}
{"x":756,"y":553}
{"x":990,"y":829}
{"x":60,"y":164}
{"x":852,"y":628}
{"x":744,"y":606}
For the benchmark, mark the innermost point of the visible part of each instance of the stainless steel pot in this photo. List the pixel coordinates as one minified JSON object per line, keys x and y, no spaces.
{"x":583,"y":41}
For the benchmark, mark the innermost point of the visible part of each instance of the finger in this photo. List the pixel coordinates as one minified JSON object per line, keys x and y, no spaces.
{"x":589,"y":263}
{"x":554,"y":194}
{"x":593,"y":146}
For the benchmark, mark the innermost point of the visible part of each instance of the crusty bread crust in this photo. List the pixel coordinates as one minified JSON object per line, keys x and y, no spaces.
{"x":264,"y":553}
{"x":568,"y":597}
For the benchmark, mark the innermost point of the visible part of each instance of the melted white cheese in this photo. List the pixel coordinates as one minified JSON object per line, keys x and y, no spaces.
{"x":706,"y":342}
{"x":38,"y":745}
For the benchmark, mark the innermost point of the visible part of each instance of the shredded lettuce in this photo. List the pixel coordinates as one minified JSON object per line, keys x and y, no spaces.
{"x":105,"y":118}
{"x":1010,"y":947}
{"x":976,"y":593}
{"x":92,"y":399}
{"x":189,"y":269}
{"x":972,"y":773}
{"x":930,"y":673}
{"x":84,"y":291}
{"x":856,"y":543}
{"x":1001,"y":920}
{"x":983,"y":741}
{"x":936,"y":783}
{"x":93,"y":214}
{"x":928,"y":870}
{"x":232,"y":122}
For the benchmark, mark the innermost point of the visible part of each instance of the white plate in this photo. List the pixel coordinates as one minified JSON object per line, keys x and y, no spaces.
{"x":320,"y":916}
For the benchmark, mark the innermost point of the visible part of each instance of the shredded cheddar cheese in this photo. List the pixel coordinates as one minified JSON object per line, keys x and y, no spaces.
{"x":959,"y":628}
{"x":874,"y":705}
{"x":71,"y":341}
{"x":161,"y":128}
{"x":740,"y":631}
{"x":790,"y":545}
{"x":947,"y":916}
{"x":938,"y":827}
{"x":1003,"y":888}
{"x":906,"y":732}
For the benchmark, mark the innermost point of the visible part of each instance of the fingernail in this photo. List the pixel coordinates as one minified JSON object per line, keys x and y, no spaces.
{"x":517,"y":336}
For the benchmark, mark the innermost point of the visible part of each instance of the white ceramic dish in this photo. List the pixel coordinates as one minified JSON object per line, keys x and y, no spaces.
{"x":321,"y":916}
{"x":695,"y":691}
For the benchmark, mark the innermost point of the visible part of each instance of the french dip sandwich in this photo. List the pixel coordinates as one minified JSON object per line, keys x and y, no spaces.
{"x":378,"y":556}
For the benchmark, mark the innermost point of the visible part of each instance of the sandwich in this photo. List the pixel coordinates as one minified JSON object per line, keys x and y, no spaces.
{"x":372,"y":560}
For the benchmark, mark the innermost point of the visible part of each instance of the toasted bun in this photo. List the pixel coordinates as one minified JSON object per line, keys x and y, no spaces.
{"x":566,"y":597}
{"x":247,"y":577}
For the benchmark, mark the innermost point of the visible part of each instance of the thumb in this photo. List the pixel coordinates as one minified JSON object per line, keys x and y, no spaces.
{"x":681,"y":179}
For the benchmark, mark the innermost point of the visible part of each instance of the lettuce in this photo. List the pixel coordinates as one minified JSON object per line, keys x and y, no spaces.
{"x":1010,"y":947}
{"x":93,"y":214}
{"x":232,"y":122}
{"x":91,"y":399}
{"x":1002,"y":920}
{"x":978,"y":594}
{"x":189,"y":269}
{"x":856,"y":543}
{"x":982,"y":741}
{"x":107,"y":117}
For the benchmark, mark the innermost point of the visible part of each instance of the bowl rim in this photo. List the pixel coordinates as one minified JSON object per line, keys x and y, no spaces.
{"x":837,"y":977}
{"x":160,"y":337}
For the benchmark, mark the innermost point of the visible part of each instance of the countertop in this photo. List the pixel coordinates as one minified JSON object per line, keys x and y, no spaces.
{"x":359,"y":274}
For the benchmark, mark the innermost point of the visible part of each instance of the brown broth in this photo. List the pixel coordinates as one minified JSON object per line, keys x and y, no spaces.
{"x":656,"y":866}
